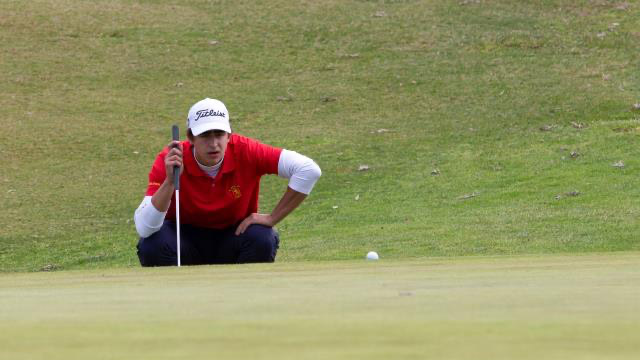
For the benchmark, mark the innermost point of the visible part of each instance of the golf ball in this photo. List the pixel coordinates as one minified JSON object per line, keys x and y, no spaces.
{"x":372,"y":255}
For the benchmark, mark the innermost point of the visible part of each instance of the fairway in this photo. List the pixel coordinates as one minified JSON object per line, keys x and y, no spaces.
{"x":527,"y":307}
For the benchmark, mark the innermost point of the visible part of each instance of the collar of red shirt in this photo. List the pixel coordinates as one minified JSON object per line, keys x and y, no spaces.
{"x":191,"y":166}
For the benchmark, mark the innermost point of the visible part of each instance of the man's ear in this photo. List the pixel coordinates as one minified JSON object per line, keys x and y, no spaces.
{"x":190,"y":135}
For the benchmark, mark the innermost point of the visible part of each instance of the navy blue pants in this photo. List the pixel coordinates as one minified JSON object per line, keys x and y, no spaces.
{"x":200,"y":246}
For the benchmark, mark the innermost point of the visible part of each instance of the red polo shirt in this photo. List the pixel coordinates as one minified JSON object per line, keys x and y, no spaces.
{"x":229,"y":198}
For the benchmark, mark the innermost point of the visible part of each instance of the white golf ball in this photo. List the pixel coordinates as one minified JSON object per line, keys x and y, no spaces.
{"x":372,"y":255}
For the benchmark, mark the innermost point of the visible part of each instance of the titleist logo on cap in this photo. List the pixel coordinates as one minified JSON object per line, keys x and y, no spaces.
{"x":208,"y":112}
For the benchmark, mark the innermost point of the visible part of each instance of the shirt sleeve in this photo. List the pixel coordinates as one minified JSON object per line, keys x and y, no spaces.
{"x":301,"y":171}
{"x":265,"y":157}
{"x":157,"y":174}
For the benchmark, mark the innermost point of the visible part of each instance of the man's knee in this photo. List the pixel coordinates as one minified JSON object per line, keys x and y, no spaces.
{"x":156,"y":250}
{"x":263,"y":241}
{"x":147,"y":252}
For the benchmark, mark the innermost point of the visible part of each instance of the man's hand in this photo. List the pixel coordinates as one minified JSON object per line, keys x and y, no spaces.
{"x":173,"y":158}
{"x":290,"y":200}
{"x":255,"y":218}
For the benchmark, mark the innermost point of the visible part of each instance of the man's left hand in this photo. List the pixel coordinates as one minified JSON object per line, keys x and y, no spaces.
{"x":255,"y":218}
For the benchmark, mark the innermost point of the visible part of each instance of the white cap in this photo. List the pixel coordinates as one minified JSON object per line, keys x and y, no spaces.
{"x":208,"y":114}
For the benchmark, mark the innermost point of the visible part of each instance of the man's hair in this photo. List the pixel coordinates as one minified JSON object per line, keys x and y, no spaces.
{"x":190,"y":134}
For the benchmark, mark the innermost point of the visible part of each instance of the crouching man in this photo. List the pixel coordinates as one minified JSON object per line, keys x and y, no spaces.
{"x":219,"y":186}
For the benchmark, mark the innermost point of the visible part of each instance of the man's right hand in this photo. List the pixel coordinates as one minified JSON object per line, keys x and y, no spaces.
{"x":172,"y":159}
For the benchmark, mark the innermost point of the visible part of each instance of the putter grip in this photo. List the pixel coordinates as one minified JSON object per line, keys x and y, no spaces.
{"x":175,"y":132}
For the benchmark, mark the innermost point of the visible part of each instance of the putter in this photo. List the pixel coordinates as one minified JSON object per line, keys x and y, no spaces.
{"x":176,"y":183}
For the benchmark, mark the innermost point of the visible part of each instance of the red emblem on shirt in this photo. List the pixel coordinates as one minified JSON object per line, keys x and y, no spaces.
{"x":235,"y":191}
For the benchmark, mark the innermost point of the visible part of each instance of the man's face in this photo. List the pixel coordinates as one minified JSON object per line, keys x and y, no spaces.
{"x":210,"y":146}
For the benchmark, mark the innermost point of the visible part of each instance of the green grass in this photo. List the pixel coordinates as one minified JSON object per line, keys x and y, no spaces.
{"x":525,"y":307}
{"x":90,"y":89}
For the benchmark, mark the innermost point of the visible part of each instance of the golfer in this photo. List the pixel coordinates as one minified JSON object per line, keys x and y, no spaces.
{"x":219,"y":187}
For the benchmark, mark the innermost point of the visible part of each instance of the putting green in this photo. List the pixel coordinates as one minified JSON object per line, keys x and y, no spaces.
{"x":528,"y":307}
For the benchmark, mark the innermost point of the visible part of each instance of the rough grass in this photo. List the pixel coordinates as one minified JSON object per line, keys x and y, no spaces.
{"x":90,"y":89}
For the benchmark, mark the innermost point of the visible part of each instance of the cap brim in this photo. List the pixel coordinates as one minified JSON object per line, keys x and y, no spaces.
{"x":197,"y":130}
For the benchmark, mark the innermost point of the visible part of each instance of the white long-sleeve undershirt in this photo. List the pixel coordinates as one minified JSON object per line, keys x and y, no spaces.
{"x":301,"y":171}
